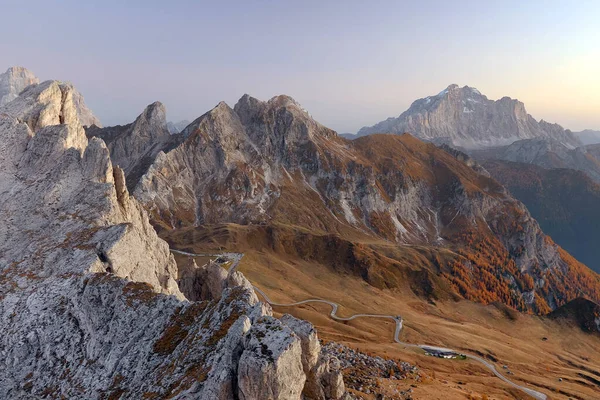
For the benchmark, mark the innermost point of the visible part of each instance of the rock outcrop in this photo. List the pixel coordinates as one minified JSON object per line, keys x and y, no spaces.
{"x":548,"y":154}
{"x":13,"y":81}
{"x":202,"y":282}
{"x":464,"y":117}
{"x":323,"y":377}
{"x":89,"y":306}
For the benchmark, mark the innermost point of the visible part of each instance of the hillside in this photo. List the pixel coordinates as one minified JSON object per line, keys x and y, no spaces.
{"x":588,"y":136}
{"x":563,"y":201}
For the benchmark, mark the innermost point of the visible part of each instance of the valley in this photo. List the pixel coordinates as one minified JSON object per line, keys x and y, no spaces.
{"x":537,"y":351}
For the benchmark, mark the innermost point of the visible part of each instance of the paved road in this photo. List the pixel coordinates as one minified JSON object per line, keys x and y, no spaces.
{"x":236,"y":258}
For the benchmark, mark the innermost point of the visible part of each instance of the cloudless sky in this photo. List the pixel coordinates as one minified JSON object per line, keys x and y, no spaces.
{"x":349,"y":63}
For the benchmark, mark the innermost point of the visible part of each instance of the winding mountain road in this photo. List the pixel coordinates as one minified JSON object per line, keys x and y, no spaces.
{"x":236,"y":258}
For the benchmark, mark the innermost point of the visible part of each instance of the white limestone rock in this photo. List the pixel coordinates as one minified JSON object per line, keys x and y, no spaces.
{"x":270,"y":366}
{"x":324,"y":381}
{"x":465,"y":118}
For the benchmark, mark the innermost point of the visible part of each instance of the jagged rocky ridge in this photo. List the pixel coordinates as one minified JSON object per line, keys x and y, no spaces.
{"x":464,"y":117}
{"x":88,"y":299}
{"x":270,"y":163}
{"x":16,"y":79}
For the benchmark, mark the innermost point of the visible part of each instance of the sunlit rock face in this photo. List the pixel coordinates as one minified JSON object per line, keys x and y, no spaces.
{"x":16,"y":79}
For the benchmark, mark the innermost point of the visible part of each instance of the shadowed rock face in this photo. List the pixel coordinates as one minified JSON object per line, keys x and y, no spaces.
{"x":464,"y":117}
{"x":582,"y":311}
{"x":89,"y":305}
{"x":563,"y":201}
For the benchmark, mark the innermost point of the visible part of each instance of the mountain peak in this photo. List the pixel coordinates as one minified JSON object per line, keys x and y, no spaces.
{"x":451,"y":87}
{"x":16,"y":79}
{"x":248,"y":103}
{"x":284,"y":100}
{"x":466,"y":118}
{"x":155,"y":111}
{"x":18,"y":70}
{"x":13,"y":82}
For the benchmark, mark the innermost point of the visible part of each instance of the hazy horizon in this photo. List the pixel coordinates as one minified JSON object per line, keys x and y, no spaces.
{"x":349,"y":65}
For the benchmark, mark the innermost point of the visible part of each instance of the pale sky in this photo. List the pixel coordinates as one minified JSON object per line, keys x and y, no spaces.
{"x":349,"y":63}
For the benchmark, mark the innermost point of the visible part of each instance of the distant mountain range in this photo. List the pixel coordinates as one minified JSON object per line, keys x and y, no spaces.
{"x":588,"y":136}
{"x":463,"y":117}
{"x":176,"y":127}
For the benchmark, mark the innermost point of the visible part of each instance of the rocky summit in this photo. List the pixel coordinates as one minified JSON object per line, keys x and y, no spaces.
{"x":464,"y":117}
{"x":16,"y":79}
{"x":134,"y":147}
{"x":89,"y":302}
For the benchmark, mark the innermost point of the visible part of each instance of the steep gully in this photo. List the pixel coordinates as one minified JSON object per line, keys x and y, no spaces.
{"x":235,"y":259}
